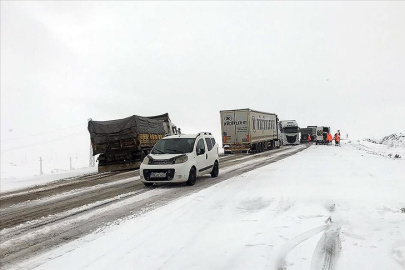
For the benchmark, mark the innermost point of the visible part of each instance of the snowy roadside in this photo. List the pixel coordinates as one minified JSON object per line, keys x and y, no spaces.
{"x":11,"y":183}
{"x":379,"y":149}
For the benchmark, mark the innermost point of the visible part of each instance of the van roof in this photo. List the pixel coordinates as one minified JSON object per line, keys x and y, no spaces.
{"x":189,"y":136}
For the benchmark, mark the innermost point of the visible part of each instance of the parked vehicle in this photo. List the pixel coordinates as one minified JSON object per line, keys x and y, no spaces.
{"x":181,"y":158}
{"x":313,"y":133}
{"x":247,"y":130}
{"x":305,"y":132}
{"x":123,"y":143}
{"x":321,"y":135}
{"x":290,"y":132}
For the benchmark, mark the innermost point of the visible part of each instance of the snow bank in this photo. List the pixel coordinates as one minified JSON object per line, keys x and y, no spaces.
{"x":393,"y":140}
{"x":379,"y":149}
{"x":12,"y":183}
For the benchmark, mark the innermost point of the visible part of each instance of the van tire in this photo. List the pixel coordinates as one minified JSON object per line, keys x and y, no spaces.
{"x":191,"y":177}
{"x":215,"y":170}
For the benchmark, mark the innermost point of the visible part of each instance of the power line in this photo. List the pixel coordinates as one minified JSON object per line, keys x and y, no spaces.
{"x":56,"y":130}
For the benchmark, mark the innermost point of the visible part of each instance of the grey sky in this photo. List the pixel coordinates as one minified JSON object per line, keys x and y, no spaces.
{"x":333,"y":63}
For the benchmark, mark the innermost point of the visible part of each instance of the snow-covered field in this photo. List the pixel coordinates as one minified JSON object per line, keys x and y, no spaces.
{"x":336,"y":205}
{"x":11,"y":183}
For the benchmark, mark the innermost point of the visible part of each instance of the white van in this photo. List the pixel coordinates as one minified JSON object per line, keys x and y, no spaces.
{"x":181,"y":158}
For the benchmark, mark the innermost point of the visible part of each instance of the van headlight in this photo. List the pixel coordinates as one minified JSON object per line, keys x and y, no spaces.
{"x":181,"y":159}
{"x":146,"y":160}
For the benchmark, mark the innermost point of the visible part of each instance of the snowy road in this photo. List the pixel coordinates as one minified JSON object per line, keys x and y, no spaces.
{"x":335,"y":208}
{"x":36,"y":219}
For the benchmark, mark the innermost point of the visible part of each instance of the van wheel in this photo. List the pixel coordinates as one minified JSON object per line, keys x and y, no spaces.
{"x":215,"y":170}
{"x":191,"y":177}
{"x":148,"y":184}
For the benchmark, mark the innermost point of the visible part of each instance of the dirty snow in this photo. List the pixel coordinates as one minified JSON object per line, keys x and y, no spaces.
{"x":327,"y":204}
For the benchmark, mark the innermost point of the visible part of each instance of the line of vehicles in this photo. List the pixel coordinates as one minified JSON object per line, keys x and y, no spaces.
{"x":156,"y":146}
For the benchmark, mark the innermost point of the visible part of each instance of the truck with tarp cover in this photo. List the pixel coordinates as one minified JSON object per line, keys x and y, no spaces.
{"x":123,"y":143}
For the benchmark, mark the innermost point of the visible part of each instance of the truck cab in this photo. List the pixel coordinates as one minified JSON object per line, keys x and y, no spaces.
{"x":290,"y":132}
{"x":171,"y":129}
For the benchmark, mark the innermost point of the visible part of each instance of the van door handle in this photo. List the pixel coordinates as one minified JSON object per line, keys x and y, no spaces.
{"x":206,"y":156}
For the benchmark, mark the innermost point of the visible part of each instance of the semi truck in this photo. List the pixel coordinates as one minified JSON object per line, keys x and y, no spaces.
{"x":290,"y":132}
{"x":305,"y":132}
{"x":313,"y":132}
{"x":123,"y":143}
{"x":321,"y":133}
{"x":247,"y":130}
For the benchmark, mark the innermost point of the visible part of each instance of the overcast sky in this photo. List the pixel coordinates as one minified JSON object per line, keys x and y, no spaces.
{"x":339,"y":64}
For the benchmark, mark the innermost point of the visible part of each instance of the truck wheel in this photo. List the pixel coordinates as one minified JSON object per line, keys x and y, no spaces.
{"x":148,"y":184}
{"x":191,"y":177}
{"x":215,"y":170}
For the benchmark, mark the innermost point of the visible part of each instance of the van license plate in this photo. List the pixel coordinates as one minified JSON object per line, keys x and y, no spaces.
{"x":157,"y":175}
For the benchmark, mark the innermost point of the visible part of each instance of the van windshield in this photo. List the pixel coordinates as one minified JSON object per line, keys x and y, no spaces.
{"x":174,"y":146}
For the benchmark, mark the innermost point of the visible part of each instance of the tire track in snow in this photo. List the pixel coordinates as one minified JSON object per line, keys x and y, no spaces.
{"x":281,"y":260}
{"x":396,"y":254}
{"x":327,"y":250}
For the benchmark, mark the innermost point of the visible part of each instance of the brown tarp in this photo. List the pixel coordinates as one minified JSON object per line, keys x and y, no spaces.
{"x":126,"y":128}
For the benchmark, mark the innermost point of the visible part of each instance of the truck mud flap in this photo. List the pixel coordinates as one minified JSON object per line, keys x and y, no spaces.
{"x":119,"y":167}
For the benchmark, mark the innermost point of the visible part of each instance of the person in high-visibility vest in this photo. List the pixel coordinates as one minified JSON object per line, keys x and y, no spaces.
{"x":329,"y":138}
{"x":337,"y":139}
{"x":309,"y":138}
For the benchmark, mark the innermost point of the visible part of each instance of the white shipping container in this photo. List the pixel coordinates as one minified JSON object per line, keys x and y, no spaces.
{"x":245,"y":127}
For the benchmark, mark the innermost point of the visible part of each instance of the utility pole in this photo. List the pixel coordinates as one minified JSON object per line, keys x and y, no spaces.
{"x":91,"y":157}
{"x":40,"y":166}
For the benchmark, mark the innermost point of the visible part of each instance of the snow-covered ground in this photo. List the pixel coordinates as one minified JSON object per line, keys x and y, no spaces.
{"x":337,"y":200}
{"x":379,"y":149}
{"x":11,"y":183}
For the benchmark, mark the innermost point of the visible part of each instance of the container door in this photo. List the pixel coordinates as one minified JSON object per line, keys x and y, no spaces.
{"x":241,"y":127}
{"x":319,"y":133}
{"x":228,"y":127}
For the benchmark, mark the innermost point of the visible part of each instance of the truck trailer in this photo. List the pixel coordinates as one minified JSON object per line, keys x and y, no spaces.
{"x":290,"y":132}
{"x":305,"y":132}
{"x":313,"y":132}
{"x":246,"y":130}
{"x":123,"y":143}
